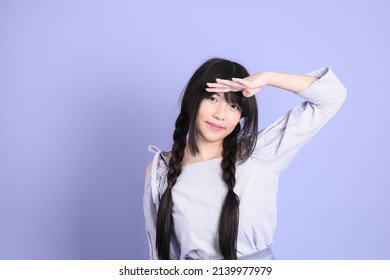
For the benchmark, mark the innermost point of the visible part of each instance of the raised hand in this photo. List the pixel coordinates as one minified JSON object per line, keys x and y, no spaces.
{"x":249,"y":86}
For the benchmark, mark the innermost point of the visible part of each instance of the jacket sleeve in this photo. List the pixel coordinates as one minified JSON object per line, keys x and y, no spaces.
{"x":155,"y":184}
{"x":150,"y":203}
{"x":280,"y":142}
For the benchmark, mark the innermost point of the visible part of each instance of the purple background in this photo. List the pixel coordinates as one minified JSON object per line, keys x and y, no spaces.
{"x":85,"y":86}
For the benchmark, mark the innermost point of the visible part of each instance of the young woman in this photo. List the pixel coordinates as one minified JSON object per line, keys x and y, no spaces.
{"x":214,"y":195}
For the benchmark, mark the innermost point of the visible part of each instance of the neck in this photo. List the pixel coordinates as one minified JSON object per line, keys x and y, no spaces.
{"x":206,"y":152}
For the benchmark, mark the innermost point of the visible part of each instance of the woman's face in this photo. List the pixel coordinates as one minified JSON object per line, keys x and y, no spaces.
{"x":216,"y":119}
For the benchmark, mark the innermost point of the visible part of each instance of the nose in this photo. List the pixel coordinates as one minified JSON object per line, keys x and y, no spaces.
{"x":220,"y":112}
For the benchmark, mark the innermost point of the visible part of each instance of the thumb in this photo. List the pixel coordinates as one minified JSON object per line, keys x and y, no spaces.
{"x":247,"y":92}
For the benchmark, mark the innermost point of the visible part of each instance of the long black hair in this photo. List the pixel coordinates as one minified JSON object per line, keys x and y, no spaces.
{"x":237,"y":147}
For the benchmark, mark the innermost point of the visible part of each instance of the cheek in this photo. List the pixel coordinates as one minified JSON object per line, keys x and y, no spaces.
{"x":201,"y":114}
{"x":204,"y":110}
{"x":233,"y":121}
{"x":235,"y":118}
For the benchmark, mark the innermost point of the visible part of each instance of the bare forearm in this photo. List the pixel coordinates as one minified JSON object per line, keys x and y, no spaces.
{"x":292,"y":82}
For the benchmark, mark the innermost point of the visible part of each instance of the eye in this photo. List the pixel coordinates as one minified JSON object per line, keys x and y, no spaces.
{"x":213,"y":98}
{"x":235,"y":107}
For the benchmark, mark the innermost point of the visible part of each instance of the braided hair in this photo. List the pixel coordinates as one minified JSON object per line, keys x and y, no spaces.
{"x":237,"y":147}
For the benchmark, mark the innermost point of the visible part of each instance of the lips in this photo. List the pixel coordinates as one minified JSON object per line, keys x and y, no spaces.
{"x":214,"y":126}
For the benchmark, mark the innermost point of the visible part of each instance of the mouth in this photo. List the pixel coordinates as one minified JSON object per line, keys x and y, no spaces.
{"x":215,"y":127}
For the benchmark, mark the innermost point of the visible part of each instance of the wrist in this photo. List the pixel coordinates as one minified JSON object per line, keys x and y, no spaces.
{"x":268,"y":78}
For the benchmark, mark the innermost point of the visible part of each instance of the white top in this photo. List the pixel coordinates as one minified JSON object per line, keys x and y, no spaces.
{"x":200,"y":191}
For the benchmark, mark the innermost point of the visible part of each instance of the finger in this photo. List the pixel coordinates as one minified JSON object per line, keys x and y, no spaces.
{"x":225,"y":87}
{"x":248,"y":92}
{"x":219,"y":90}
{"x":242,"y":82}
{"x":228,"y":83}
{"x":216,"y":85}
{"x":233,"y":86}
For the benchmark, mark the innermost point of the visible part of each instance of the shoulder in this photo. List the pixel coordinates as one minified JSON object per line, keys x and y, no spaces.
{"x":148,"y":168}
{"x":160,"y":160}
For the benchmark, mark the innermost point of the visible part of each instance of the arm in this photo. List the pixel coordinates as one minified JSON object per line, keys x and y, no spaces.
{"x":279,"y":142}
{"x":253,"y":83}
{"x":291,"y":82}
